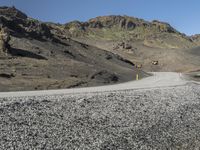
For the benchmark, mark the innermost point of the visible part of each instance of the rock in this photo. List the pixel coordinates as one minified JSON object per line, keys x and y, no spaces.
{"x":122,"y":45}
{"x":95,"y":24}
{"x":130,"y":25}
{"x":111,"y":21}
{"x":7,"y":75}
{"x":122,"y":23}
{"x":154,"y":62}
{"x":163,"y":27}
{"x":108,"y":57}
{"x":105,"y":76}
{"x":4,"y":39}
{"x":12,"y":12}
{"x":37,"y":29}
{"x":76,"y":25}
{"x":127,"y":46}
{"x":16,"y":21}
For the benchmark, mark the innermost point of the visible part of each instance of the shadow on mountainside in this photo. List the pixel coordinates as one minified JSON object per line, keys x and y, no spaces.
{"x":25,"y":53}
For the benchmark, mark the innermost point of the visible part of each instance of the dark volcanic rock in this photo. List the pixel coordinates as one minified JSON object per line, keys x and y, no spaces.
{"x":4,"y":39}
{"x":105,"y":76}
{"x":38,"y":29}
{"x":110,"y":21}
{"x":76,"y":25}
{"x":97,"y":24}
{"x":20,"y":25}
{"x":130,"y":24}
{"x":25,"y":53}
{"x":7,"y":75}
{"x":163,"y":27}
{"x":12,"y":12}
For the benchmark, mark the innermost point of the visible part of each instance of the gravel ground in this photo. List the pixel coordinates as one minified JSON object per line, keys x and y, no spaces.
{"x":157,"y":118}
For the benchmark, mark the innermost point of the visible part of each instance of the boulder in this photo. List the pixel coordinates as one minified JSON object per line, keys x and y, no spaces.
{"x":130,"y":25}
{"x":4,"y":39}
{"x":95,"y":24}
{"x":122,"y":23}
{"x":127,"y":46}
{"x":154,"y":62}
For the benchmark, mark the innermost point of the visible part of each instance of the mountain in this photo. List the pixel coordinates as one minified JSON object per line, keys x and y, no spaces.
{"x":33,"y":57}
{"x":139,"y":41}
{"x":104,"y":50}
{"x":118,"y":28}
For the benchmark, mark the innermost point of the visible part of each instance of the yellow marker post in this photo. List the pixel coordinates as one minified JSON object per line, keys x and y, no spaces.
{"x":137,"y":76}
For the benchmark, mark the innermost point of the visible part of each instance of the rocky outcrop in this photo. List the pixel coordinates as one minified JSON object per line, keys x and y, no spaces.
{"x":37,"y":29}
{"x":21,"y":25}
{"x":196,"y":38}
{"x":163,"y":27}
{"x":4,"y":39}
{"x":127,"y":24}
{"x":111,"y":21}
{"x":106,"y":76}
{"x":122,"y":45}
{"x":118,"y":28}
{"x":123,"y":22}
{"x":12,"y":12}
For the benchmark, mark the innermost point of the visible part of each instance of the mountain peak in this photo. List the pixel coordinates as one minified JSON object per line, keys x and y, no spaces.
{"x":124,"y":22}
{"x":12,"y":12}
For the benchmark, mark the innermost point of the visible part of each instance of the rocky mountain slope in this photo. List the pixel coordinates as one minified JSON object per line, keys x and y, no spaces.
{"x":33,"y":57}
{"x":103,"y":50}
{"x":137,"y":40}
{"x":115,"y":28}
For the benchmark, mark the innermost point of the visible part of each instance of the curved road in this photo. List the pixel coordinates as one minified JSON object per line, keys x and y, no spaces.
{"x":156,"y":118}
{"x":159,"y":79}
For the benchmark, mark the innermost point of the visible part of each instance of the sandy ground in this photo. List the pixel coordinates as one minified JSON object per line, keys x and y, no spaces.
{"x":159,"y":112}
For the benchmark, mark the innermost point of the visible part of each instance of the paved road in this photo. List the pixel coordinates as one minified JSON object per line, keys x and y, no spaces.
{"x":159,"y":79}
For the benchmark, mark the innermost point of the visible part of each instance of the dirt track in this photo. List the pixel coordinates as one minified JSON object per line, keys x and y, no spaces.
{"x":157,"y":115}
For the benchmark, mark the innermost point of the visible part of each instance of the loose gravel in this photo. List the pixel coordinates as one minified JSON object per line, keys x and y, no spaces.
{"x":157,"y":118}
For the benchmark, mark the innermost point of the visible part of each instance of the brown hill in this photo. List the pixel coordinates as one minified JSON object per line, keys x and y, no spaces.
{"x":34,"y":57}
{"x":117,"y":28}
{"x":139,"y":41}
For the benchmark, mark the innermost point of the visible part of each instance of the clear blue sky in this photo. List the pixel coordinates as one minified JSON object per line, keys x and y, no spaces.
{"x":184,"y":15}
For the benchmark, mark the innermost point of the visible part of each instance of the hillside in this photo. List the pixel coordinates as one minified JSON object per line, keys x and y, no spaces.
{"x":32,"y":57}
{"x":104,"y":50}
{"x":137,"y":40}
{"x":119,"y":28}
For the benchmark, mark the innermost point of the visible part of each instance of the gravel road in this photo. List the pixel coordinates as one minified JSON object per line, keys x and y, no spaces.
{"x":159,"y":112}
{"x":159,"y":79}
